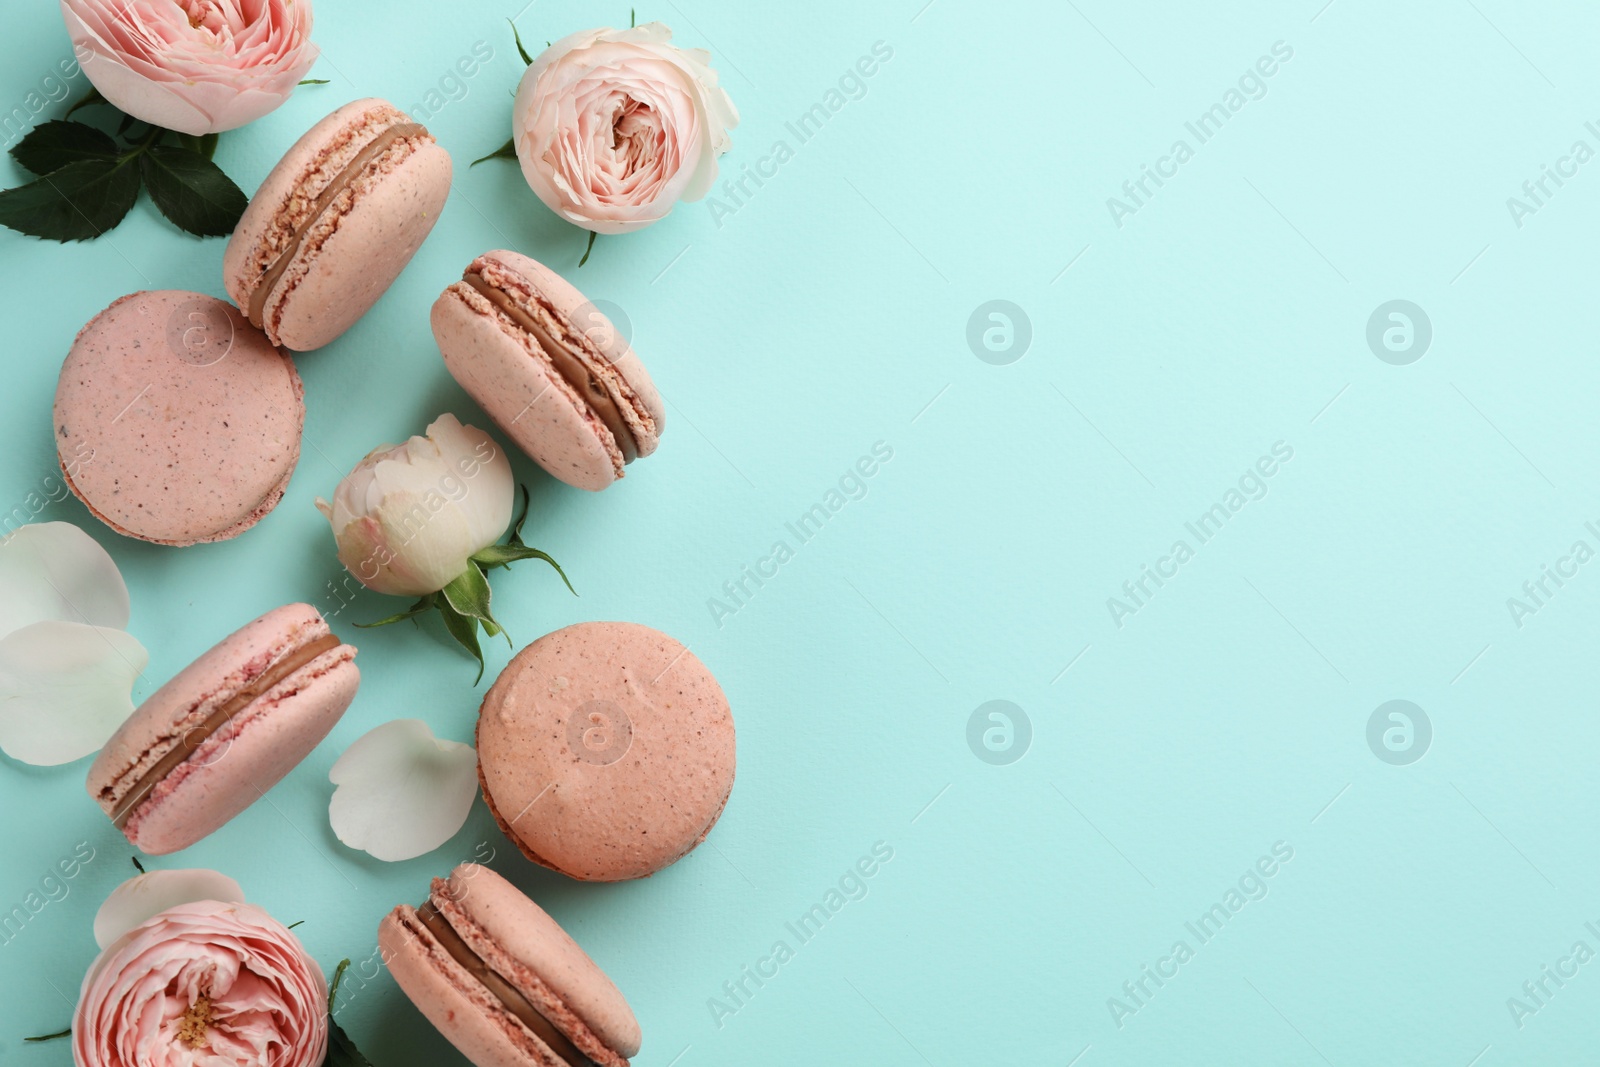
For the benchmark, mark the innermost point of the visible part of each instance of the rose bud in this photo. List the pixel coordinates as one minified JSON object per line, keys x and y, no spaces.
{"x":421,"y":519}
{"x":195,"y":66}
{"x":614,"y":127}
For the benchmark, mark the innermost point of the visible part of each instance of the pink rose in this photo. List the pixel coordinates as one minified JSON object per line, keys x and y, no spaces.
{"x":613,"y":127}
{"x":195,"y":66}
{"x":204,"y":982}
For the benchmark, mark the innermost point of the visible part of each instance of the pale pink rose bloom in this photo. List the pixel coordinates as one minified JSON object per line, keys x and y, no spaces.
{"x":614,"y":127}
{"x":195,"y":66}
{"x":206,"y":983}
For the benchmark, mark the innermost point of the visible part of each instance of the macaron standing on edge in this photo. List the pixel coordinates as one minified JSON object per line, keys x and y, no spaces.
{"x":552,"y":372}
{"x":502,"y":981}
{"x":177,"y":422}
{"x":335,"y":223}
{"x":605,"y":751}
{"x":224,"y":730}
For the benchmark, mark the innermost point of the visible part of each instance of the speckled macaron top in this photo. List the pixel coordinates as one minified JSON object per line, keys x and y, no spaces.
{"x":335,"y":223}
{"x":606,"y":750}
{"x":175,"y":420}
{"x":550,"y":369}
{"x":501,"y":979}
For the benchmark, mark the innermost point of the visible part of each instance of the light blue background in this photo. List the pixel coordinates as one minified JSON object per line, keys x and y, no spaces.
{"x":829,"y":312}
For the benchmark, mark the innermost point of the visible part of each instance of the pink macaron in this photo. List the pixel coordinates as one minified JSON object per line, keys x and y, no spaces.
{"x":226,"y":729}
{"x":605,"y":751}
{"x":335,"y":223}
{"x":552,"y":371}
{"x":175,"y":420}
{"x":502,"y":981}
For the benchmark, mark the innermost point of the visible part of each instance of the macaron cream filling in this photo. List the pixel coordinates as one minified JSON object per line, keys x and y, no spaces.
{"x":509,"y":997}
{"x":195,"y":736}
{"x":602,"y":392}
{"x":341,"y":181}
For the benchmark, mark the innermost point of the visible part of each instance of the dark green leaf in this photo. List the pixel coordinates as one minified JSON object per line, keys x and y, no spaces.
{"x":465,"y":631}
{"x":292,"y":925}
{"x":633,"y":18}
{"x":127,"y":121}
{"x":89,"y":99}
{"x":342,"y":1052}
{"x":137,"y":864}
{"x":77,"y":202}
{"x":589,"y":248}
{"x":192,"y":191}
{"x":205,"y":145}
{"x":312,"y":81}
{"x":521,"y":51}
{"x":51,"y":1037}
{"x":425,"y":604}
{"x":54,"y":144}
{"x":505,"y":151}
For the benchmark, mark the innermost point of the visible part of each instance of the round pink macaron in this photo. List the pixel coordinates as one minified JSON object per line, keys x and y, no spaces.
{"x":605,"y":751}
{"x":226,"y":729}
{"x":552,"y":371}
{"x":501,"y":980}
{"x":335,"y":223}
{"x":176,"y":421}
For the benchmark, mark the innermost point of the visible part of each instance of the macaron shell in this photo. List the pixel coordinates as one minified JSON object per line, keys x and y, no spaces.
{"x":331,"y":284}
{"x":579,"y":309}
{"x":522,"y":394}
{"x":253,"y":752}
{"x":525,"y":932}
{"x":172,"y":444}
{"x":250,"y":750}
{"x":436,"y":986}
{"x":356,"y":250}
{"x":606,"y":815}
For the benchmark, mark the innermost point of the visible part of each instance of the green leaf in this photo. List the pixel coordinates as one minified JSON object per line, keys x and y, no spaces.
{"x":590,"y":248}
{"x":205,"y":145}
{"x":504,"y":555}
{"x":469,"y":594}
{"x":137,"y":864}
{"x":88,"y":99}
{"x":633,"y":18}
{"x":505,"y":151}
{"x":521,"y":51}
{"x":522,"y":517}
{"x":77,"y":202}
{"x":54,"y":144}
{"x":465,"y":631}
{"x":192,"y":191}
{"x":342,"y":1052}
{"x":425,"y":604}
{"x":51,"y":1037}
{"x":312,"y":81}
{"x":127,"y":121}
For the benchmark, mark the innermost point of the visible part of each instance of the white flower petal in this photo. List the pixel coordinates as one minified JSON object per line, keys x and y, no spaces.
{"x":64,"y":689}
{"x":53,"y":570}
{"x":401,"y":791}
{"x":146,"y":895}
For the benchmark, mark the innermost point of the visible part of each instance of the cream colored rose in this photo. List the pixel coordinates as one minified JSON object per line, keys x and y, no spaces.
{"x":614,"y":127}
